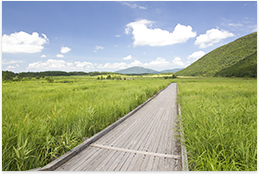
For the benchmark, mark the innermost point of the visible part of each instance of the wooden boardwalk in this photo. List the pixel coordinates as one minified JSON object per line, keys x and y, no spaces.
{"x":146,"y":141}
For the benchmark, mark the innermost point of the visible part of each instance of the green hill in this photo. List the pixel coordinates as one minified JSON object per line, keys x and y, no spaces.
{"x":137,"y":70}
{"x":223,"y":57}
{"x":244,"y":68}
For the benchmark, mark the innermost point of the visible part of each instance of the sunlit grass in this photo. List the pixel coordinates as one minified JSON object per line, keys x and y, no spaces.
{"x":220,"y":123}
{"x":41,"y":121}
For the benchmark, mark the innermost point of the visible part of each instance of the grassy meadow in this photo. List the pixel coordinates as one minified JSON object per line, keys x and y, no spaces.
{"x":219,"y":117}
{"x":41,"y":120}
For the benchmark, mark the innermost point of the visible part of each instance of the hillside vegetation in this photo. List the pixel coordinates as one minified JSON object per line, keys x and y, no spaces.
{"x":223,"y":57}
{"x":244,"y":68}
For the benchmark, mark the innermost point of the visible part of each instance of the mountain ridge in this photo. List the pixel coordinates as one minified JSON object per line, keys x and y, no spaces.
{"x":222,"y":57}
{"x":142,"y":70}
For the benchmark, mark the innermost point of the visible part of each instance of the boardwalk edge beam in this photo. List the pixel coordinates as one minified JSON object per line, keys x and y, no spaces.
{"x":184,"y":157}
{"x":73,"y":152}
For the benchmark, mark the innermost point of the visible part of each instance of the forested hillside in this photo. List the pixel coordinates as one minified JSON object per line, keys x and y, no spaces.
{"x":245,"y":68}
{"x":223,"y":57}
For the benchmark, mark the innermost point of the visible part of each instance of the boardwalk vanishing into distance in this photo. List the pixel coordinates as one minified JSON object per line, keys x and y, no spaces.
{"x":145,"y":141}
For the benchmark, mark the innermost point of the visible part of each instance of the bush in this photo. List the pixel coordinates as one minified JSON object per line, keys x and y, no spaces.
{"x":49,"y":80}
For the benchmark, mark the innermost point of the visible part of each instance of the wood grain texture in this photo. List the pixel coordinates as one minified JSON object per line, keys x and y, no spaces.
{"x":145,"y":141}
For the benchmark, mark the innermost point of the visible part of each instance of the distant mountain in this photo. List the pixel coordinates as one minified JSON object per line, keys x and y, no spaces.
{"x":171,"y":70}
{"x":224,"y":57}
{"x":136,"y":70}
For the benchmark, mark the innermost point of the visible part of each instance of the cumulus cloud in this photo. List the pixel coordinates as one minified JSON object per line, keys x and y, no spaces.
{"x":59,"y":55}
{"x":178,"y":61}
{"x":129,"y":57}
{"x":23,"y":42}
{"x":135,"y":63}
{"x":196,"y":55}
{"x":143,"y":35}
{"x":84,"y":64}
{"x":43,"y":55}
{"x":50,"y":64}
{"x":212,"y":37}
{"x":159,"y":62}
{"x":120,"y":65}
{"x":65,"y":50}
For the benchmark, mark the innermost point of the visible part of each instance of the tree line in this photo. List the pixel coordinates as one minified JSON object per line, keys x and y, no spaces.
{"x":9,"y":75}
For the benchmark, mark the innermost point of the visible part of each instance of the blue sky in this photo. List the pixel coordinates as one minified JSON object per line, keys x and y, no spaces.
{"x":113,"y":35}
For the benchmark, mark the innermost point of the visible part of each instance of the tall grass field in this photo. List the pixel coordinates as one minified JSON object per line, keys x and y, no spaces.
{"x":219,"y":118}
{"x":41,"y":120}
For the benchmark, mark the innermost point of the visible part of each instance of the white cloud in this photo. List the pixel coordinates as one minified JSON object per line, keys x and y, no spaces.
{"x":11,"y":62}
{"x":159,"y":62}
{"x":157,"y":37}
{"x":120,"y":65}
{"x":43,"y":55}
{"x":211,"y":37}
{"x":177,"y":61}
{"x":135,"y":63}
{"x":59,"y":55}
{"x":50,"y":64}
{"x":65,"y":50}
{"x":98,"y":48}
{"x":235,"y":25}
{"x":134,"y":5}
{"x":255,"y":28}
{"x":84,"y":64}
{"x":196,"y":55}
{"x":118,"y":35}
{"x":129,"y":57}
{"x":23,"y":42}
{"x":10,"y":67}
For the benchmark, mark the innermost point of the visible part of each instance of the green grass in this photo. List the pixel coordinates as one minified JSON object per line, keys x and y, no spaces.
{"x":41,"y":121}
{"x":219,"y":117}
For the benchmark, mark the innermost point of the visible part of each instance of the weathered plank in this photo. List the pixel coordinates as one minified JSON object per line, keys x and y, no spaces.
{"x":145,"y":141}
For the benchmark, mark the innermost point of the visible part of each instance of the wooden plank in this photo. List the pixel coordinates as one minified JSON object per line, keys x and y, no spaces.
{"x":78,"y":160}
{"x":122,"y":161}
{"x":90,"y":160}
{"x":141,"y":142}
{"x":135,"y":151}
{"x":92,"y":165}
{"x":126,"y":163}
